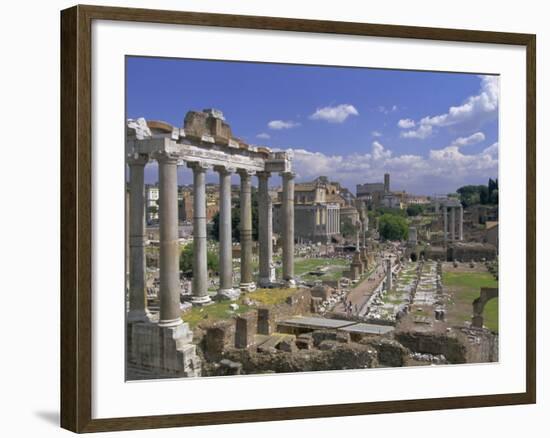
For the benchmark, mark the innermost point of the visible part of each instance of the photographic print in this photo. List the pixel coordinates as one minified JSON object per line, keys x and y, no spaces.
{"x":286,"y":218}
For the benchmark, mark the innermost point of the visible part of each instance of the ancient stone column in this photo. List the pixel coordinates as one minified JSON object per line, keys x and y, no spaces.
{"x":200,"y":265}
{"x":445,"y":225}
{"x":389,"y":279}
{"x":288,"y":228}
{"x":137,"y":290}
{"x":169,"y":244}
{"x":247,"y":283}
{"x":461,"y":223}
{"x":265,"y":226}
{"x":226,"y":250}
{"x":453,"y":224}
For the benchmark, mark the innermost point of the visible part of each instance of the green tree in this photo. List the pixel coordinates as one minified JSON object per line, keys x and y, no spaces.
{"x":394,"y":211}
{"x":480,"y":194}
{"x":414,"y":210}
{"x":348,"y":229}
{"x":186,"y":259}
{"x":469,"y":195}
{"x":393,"y":227}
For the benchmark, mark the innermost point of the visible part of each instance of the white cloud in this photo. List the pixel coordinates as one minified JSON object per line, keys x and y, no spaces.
{"x":334,"y":114}
{"x":442,"y":171}
{"x":406,"y":123}
{"x":263,"y":135}
{"x":478,"y":137}
{"x":379,"y":152}
{"x":423,"y":131}
{"x":473,"y":112}
{"x":387,"y":110}
{"x":491,"y":150}
{"x":281,"y":124}
{"x":376,"y":134}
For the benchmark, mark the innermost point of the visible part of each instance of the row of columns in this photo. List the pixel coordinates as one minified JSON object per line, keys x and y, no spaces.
{"x":169,"y":242}
{"x":450,"y":231}
{"x":333,"y":221}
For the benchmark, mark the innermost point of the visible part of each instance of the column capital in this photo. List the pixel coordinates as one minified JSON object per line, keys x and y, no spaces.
{"x":224,"y":170}
{"x":136,"y":159}
{"x":288,"y":175}
{"x":164,"y":157}
{"x":198,"y":166}
{"x":263,"y":174}
{"x":246,"y":173}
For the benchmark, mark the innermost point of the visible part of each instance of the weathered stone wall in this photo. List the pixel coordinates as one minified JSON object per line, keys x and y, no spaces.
{"x":342,"y":356}
{"x":299,"y":303}
{"x":390,"y":352}
{"x":217,"y":338}
{"x":449,"y":345}
{"x":481,"y":345}
{"x":472,"y":251}
{"x":435,"y":253}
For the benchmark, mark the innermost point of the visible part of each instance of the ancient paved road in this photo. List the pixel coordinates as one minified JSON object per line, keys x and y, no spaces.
{"x":362,"y":292}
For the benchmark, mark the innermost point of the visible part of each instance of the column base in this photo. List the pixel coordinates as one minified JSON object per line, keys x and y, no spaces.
{"x":247,"y":287}
{"x":290,"y":283}
{"x":202,"y":300}
{"x":163,"y":351}
{"x":228,"y":294}
{"x":138,"y":316}
{"x":265,"y":282}
{"x":170,"y":322}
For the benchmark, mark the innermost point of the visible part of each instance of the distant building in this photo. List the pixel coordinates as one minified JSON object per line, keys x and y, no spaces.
{"x":317,"y":206}
{"x":185,"y":203}
{"x":378,"y":194}
{"x":373,"y":193}
{"x":418,"y":200}
{"x":394,"y":200}
{"x":151,"y":202}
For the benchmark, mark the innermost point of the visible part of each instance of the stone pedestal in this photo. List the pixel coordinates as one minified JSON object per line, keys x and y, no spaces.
{"x":266,"y":322}
{"x":245,"y":329}
{"x":166,"y":351}
{"x":357,"y":263}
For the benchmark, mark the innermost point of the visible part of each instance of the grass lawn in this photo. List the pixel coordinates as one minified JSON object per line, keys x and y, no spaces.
{"x":465,"y":287}
{"x":213,"y":312}
{"x":221,"y":310}
{"x":335,"y":268}
{"x":269,"y":297}
{"x":302,"y":266}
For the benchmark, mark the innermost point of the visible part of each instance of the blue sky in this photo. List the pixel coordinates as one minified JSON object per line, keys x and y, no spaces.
{"x":432,"y":131}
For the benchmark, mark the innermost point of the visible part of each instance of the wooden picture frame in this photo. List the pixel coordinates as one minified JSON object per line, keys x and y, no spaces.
{"x":76,"y":217}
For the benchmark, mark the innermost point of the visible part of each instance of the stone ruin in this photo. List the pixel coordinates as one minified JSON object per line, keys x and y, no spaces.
{"x":205,"y":142}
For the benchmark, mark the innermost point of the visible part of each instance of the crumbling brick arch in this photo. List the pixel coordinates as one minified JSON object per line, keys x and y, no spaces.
{"x":486,"y":294}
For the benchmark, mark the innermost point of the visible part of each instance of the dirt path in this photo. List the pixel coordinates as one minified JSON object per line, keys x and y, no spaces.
{"x":362,"y":292}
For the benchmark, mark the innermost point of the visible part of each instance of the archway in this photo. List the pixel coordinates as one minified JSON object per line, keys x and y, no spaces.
{"x":486,"y":294}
